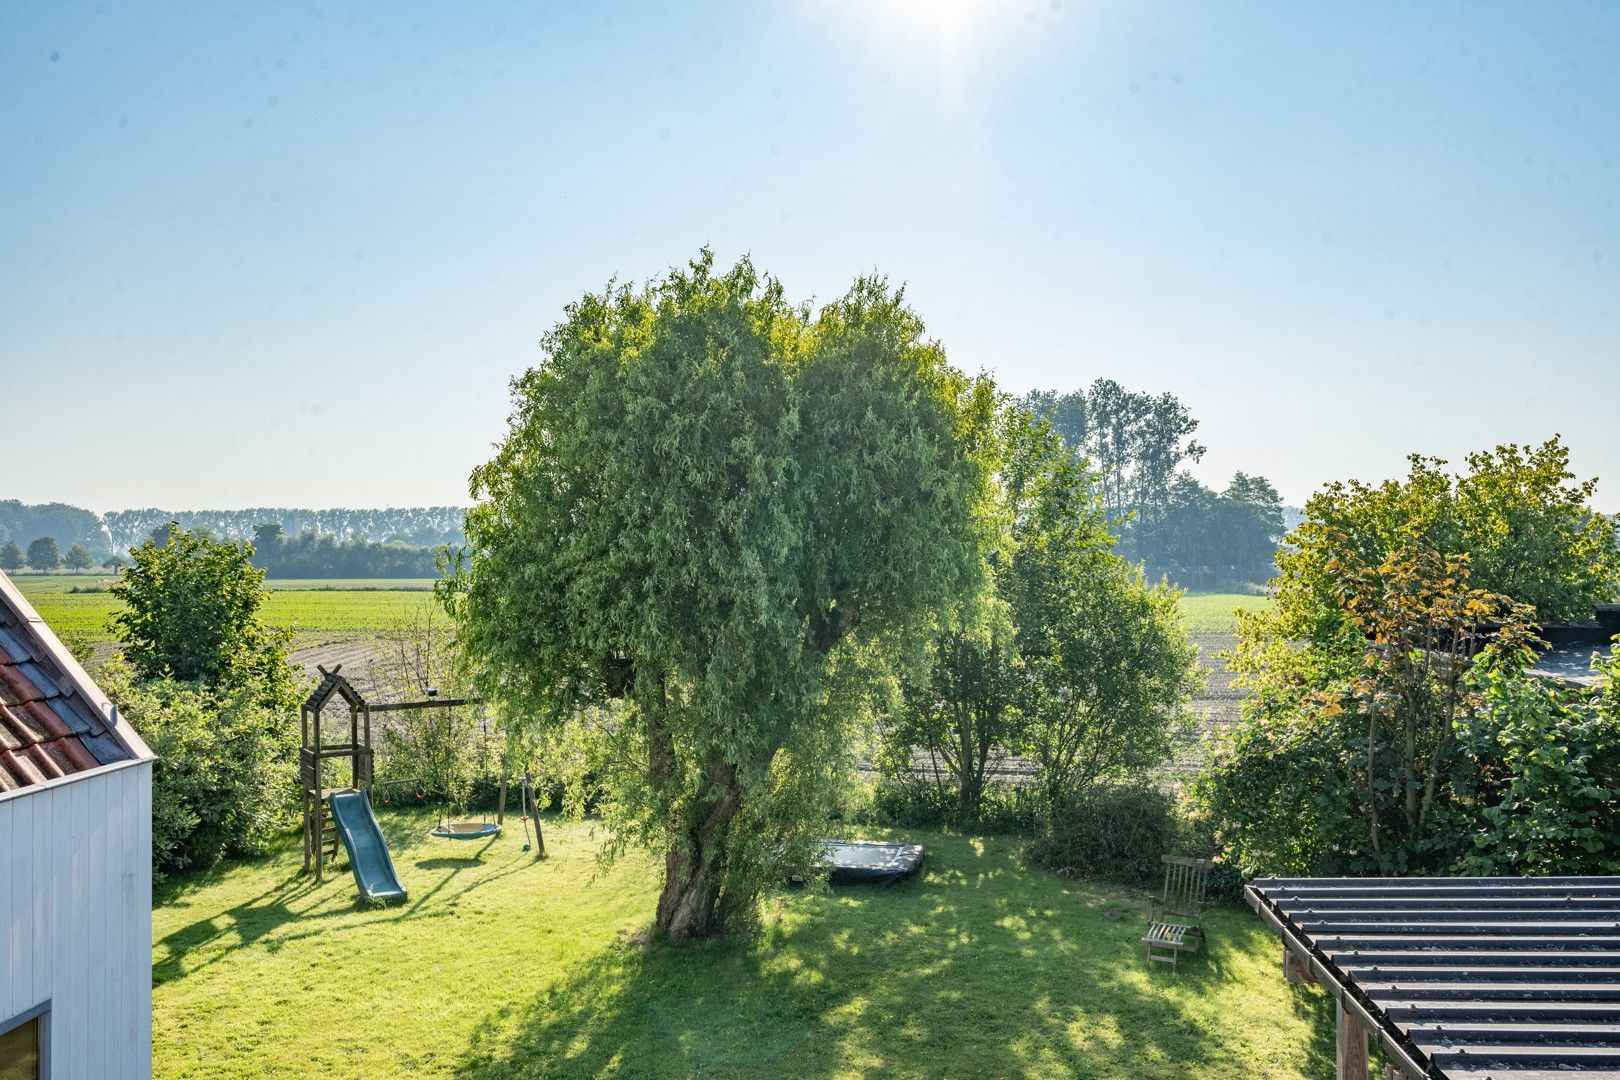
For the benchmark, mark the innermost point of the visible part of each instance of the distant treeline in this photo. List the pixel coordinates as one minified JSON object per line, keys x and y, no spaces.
{"x":418,"y":526}
{"x":290,"y":542}
{"x":322,"y":555}
{"x":22,"y":524}
{"x":1138,"y":446}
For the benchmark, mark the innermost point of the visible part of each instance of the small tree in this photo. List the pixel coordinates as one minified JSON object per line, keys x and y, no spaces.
{"x":1422,"y":625}
{"x":78,"y":557}
{"x":11,"y":557}
{"x":191,"y":613}
{"x":1348,"y":758}
{"x":1070,"y":658}
{"x":43,"y":554}
{"x":1109,"y":668}
{"x":965,"y":707}
{"x":708,"y":500}
{"x":115,"y":562}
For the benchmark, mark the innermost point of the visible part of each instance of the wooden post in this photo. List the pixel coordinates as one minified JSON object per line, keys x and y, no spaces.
{"x":500,"y":801}
{"x":1296,"y":969}
{"x":1352,"y":1046}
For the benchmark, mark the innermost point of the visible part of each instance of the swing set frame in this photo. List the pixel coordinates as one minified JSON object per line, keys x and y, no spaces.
{"x":320,"y":833}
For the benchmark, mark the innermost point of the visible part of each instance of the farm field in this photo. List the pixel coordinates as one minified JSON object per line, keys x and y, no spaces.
{"x":500,"y":967}
{"x":356,"y":607}
{"x":1216,"y":613}
{"x":310,"y":608}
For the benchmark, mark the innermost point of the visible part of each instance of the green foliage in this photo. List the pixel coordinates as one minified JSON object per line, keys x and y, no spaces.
{"x":43,"y":554}
{"x":1136,"y":443}
{"x":224,"y":781}
{"x":70,"y":525}
{"x":911,"y":801}
{"x":1113,"y":831}
{"x":447,"y":752}
{"x":1374,"y":738}
{"x":1206,"y":536}
{"x":706,"y":496}
{"x":1071,"y":659}
{"x":78,"y":557}
{"x":11,"y":556}
{"x":191,"y":613}
{"x":1378,"y":752}
{"x":1543,"y":782}
{"x":1518,"y":513}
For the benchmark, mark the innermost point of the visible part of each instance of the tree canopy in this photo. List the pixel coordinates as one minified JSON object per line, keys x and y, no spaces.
{"x":1067,"y":656}
{"x":43,"y":554}
{"x":708,"y":499}
{"x":1518,"y":513}
{"x":191,"y":613}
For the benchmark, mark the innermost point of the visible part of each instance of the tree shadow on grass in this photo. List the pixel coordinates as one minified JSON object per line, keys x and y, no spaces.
{"x":980,"y":968}
{"x":259,"y":921}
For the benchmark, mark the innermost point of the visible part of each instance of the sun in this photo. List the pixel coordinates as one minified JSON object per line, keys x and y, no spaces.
{"x":950,"y":31}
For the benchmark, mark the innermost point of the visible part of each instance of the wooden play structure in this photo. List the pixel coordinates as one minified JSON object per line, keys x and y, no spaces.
{"x":336,"y":814}
{"x":320,"y":831}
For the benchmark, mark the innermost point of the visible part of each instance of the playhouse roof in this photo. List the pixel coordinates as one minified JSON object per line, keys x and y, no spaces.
{"x":54,"y":721}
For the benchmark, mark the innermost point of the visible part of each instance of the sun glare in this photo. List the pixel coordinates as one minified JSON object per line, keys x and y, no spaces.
{"x":947,"y":30}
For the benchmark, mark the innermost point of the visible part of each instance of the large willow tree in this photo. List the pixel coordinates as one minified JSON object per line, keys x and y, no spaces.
{"x":707,"y":498}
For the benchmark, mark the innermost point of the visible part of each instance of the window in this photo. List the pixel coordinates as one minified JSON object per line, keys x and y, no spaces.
{"x":21,"y":1053}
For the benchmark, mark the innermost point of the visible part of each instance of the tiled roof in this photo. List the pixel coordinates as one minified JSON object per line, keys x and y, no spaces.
{"x":49,"y":726}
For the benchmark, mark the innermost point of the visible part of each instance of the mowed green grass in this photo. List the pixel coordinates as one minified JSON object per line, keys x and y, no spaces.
{"x":500,"y":966}
{"x":1216,"y":613}
{"x":313,"y":608}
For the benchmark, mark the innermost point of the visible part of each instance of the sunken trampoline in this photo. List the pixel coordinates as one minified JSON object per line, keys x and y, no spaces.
{"x":1460,"y":978}
{"x":871,"y":862}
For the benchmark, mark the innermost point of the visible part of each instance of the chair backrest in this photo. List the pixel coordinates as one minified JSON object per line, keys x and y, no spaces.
{"x":1185,"y":882}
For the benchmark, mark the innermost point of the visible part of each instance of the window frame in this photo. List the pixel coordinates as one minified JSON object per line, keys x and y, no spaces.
{"x":42,"y":1013}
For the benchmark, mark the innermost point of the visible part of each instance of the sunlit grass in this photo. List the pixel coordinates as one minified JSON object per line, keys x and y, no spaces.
{"x":336,"y":607}
{"x":503,"y":967}
{"x":1216,"y":613}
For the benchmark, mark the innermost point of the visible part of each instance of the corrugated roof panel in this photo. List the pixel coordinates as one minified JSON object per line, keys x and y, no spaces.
{"x":1513,"y":978}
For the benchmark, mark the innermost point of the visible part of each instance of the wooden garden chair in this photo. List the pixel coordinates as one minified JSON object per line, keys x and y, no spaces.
{"x":1176,"y":917}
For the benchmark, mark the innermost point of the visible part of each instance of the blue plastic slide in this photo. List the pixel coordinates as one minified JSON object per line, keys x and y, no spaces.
{"x":368,"y":851}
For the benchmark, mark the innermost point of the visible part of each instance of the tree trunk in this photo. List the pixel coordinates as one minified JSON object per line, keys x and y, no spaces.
{"x":690,"y":905}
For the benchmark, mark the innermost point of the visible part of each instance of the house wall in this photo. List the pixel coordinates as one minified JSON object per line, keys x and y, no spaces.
{"x":76,"y":918}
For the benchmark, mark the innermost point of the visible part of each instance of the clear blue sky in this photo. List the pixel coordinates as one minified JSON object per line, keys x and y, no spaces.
{"x":264,"y":254}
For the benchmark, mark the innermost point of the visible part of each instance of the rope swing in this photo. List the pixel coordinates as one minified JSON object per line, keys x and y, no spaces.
{"x":459,"y":830}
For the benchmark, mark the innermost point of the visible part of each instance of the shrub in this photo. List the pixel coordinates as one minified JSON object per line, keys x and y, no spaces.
{"x":1540,"y":795}
{"x":1116,"y":831}
{"x":909,"y":803}
{"x":225,"y":778}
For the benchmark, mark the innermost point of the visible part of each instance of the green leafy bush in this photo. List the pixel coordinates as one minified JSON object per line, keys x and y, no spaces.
{"x":1117,"y":831}
{"x":225,"y":779}
{"x":909,"y":803}
{"x":1539,"y":795}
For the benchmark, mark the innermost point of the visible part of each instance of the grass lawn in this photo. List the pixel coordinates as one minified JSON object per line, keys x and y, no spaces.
{"x":1216,"y":613}
{"x":326,"y":608}
{"x":502,"y":967}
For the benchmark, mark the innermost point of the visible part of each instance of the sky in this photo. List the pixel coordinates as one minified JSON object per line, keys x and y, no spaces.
{"x":278,"y":254}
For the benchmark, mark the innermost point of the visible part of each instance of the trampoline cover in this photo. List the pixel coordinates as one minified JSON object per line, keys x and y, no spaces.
{"x":871,"y":862}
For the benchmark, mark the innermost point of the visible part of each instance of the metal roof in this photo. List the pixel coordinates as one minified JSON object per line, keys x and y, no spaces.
{"x":1466,"y":978}
{"x":54,"y":722}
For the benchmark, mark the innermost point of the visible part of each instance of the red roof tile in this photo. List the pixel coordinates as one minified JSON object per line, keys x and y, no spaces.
{"x":43,"y":731}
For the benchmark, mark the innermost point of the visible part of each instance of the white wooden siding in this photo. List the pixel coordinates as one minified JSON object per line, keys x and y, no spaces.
{"x":76,"y":919}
